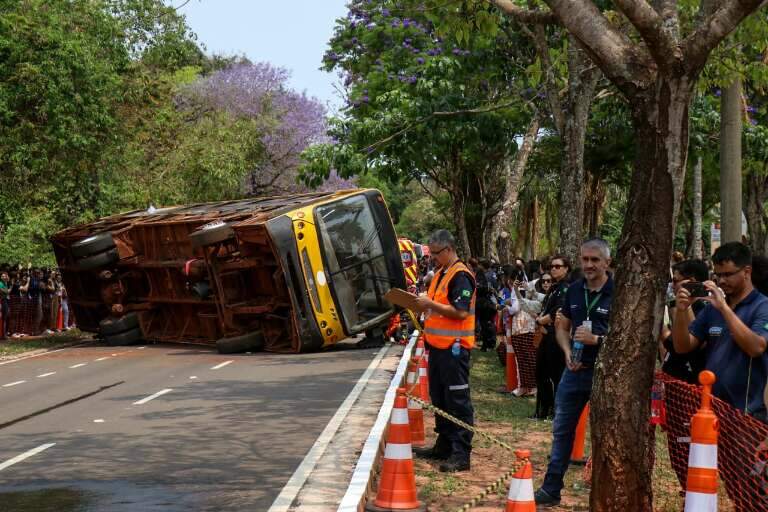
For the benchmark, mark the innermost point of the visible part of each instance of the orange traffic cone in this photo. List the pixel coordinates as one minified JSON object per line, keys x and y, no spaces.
{"x":511,"y":369}
{"x":424,"y":379}
{"x":397,"y":484}
{"x":415,"y":411}
{"x":419,"y":347}
{"x":520,"y":497}
{"x":577,"y":452}
{"x":701,"y":484}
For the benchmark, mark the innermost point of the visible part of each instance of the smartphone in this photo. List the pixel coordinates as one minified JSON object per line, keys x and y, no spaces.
{"x":696,"y":289}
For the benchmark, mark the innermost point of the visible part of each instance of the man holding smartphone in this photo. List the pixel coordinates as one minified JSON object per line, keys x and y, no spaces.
{"x":580,"y":334}
{"x":734,"y":326}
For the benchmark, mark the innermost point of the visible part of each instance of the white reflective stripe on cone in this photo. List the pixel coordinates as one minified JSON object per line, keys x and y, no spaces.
{"x":521,"y":490}
{"x":700,"y":502}
{"x":412,"y":404}
{"x":703,"y":456}
{"x":422,"y":372}
{"x":510,"y":349}
{"x":419,"y":351}
{"x":399,"y":417}
{"x":411,"y":378}
{"x":398,"y":451}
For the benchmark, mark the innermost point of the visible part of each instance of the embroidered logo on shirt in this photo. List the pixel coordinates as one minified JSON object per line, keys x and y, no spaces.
{"x":466,"y":293}
{"x":715,"y":331}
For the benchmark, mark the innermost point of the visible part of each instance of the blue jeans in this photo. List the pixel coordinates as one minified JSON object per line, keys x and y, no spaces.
{"x":572,"y":395}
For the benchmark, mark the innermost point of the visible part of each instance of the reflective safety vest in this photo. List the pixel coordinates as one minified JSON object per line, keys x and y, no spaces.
{"x":442,"y":331}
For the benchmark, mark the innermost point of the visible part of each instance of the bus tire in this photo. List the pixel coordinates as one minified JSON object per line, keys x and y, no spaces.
{"x":112,"y":326}
{"x":100,"y":260}
{"x":125,"y":338}
{"x":93,"y":244}
{"x":250,"y":342}
{"x":210,"y":236}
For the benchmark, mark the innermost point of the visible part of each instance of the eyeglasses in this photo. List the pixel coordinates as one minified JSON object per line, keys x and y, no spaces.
{"x":546,"y":280}
{"x":556,"y":265}
{"x":726,"y":275}
{"x":435,"y":253}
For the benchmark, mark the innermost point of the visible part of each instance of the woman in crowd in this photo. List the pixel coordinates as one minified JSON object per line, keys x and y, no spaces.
{"x":523,"y":331}
{"x":550,"y":359}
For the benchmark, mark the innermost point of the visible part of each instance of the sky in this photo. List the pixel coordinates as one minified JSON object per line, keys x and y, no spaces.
{"x":290,"y":34}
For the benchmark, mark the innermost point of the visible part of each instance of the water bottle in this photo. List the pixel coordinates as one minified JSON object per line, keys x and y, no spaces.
{"x":456,"y":348}
{"x":578,"y":347}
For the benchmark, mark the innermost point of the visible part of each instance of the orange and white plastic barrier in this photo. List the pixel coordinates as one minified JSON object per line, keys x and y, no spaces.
{"x":701,"y":483}
{"x":397,"y":484}
{"x":579,"y":440}
{"x":415,"y":411}
{"x":424,"y":379}
{"x":520,"y":497}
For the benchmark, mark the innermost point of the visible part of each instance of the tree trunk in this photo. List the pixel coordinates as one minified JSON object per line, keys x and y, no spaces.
{"x":582,"y":80}
{"x":757,"y":220}
{"x":459,"y":217}
{"x":730,"y":164}
{"x":619,"y":419}
{"x":697,"y":213}
{"x":513,"y":175}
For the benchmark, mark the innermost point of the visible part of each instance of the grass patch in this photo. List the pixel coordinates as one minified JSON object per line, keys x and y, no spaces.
{"x":14,"y":347}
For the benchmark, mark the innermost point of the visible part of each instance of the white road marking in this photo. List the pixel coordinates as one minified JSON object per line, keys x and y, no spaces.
{"x":25,"y":455}
{"x":46,"y":375}
{"x":222,"y":365}
{"x":193,"y":377}
{"x":152,"y":397}
{"x":98,"y":421}
{"x":113,"y":355}
{"x":101,"y":358}
{"x":141,"y":348}
{"x":284,"y":500}
{"x":14,"y":383}
{"x":78,"y":365}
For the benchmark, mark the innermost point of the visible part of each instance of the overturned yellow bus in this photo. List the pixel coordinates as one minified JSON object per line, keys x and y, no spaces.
{"x":292,"y":273}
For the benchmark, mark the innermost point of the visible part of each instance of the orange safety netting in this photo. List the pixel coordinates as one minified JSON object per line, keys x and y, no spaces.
{"x":742,"y":444}
{"x":525,"y":353}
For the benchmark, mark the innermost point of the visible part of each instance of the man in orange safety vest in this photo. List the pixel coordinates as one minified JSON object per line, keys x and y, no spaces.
{"x":449,"y":329}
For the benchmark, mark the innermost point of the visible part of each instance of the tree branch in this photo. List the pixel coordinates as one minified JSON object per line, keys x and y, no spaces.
{"x":623,"y":62}
{"x":650,"y":25}
{"x":715,"y":28}
{"x":524,"y":15}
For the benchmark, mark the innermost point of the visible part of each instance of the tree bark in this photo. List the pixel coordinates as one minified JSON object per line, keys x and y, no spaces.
{"x":757,"y":219}
{"x":582,"y":80}
{"x":730,"y":163}
{"x":459,"y":218}
{"x":619,"y":418}
{"x":513,"y":175}
{"x":697,"y":213}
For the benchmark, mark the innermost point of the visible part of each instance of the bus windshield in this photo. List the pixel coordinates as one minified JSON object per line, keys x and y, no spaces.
{"x":356,"y":264}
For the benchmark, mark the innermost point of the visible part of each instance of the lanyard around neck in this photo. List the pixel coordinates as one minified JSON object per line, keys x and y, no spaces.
{"x":590,"y":305}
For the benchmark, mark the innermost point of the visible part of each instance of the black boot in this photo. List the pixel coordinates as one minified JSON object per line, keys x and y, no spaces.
{"x":434,"y":453}
{"x":455,"y":463}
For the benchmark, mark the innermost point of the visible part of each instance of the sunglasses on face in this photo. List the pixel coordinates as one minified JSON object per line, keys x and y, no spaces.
{"x":546,"y":280}
{"x":556,"y":265}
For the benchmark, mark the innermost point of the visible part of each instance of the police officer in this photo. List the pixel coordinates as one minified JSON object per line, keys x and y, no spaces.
{"x":449,"y":330}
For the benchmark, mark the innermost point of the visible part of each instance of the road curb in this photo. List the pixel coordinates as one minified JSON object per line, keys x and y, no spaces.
{"x":357,"y":491}
{"x":40,"y":351}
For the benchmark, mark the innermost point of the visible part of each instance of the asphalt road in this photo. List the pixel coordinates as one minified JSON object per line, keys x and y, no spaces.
{"x":162,"y":428}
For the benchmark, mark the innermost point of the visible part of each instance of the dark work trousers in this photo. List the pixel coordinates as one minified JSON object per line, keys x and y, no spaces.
{"x":449,"y":390}
{"x":550,"y":363}
{"x":572,"y":395}
{"x":487,"y":330}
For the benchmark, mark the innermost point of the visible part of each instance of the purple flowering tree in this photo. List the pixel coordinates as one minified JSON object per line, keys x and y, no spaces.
{"x":289,"y":121}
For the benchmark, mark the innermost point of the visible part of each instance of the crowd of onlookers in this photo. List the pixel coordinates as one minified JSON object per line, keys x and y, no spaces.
{"x":33,"y":302}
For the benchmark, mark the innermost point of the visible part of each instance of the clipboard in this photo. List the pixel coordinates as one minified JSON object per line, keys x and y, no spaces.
{"x":403,"y":299}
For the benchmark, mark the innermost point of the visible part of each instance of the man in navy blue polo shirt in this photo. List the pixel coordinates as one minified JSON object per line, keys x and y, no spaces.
{"x":734,"y":327}
{"x":588,"y":300}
